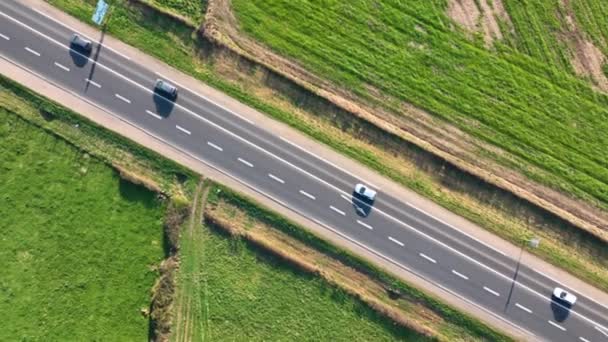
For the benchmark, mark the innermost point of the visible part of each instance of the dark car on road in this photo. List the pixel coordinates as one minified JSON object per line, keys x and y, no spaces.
{"x":81,"y":44}
{"x":165,"y":88}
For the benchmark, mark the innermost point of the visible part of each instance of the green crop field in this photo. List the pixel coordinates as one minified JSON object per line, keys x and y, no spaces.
{"x":551,"y":122}
{"x":78,"y":246}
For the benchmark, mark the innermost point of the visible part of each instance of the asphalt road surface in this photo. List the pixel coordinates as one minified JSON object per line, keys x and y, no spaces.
{"x":285,"y":172}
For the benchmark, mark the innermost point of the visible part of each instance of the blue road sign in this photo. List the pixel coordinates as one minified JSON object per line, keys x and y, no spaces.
{"x":100,"y":11}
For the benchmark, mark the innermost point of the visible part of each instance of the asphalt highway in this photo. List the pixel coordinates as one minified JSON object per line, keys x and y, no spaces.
{"x":277,"y":168}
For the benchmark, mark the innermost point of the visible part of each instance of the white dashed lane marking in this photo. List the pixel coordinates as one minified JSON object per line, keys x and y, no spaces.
{"x":460,"y":275}
{"x":276,"y":178}
{"x":151,"y":113}
{"x":120,"y":97}
{"x":422,"y":255}
{"x":92,"y":83}
{"x":5,"y":37}
{"x":557,"y":325}
{"x":523,"y":308}
{"x":491,"y":291}
{"x":396,"y":241}
{"x":365,"y":225}
{"x":182,"y":129}
{"x":337,"y":210}
{"x":307,"y":194}
{"x":245,"y":162}
{"x":34,"y":52}
{"x":214,"y":146}
{"x":63,"y":67}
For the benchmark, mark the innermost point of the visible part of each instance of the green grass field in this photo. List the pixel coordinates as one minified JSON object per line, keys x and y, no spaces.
{"x":78,"y":244}
{"x":231,"y":291}
{"x":541,"y":114}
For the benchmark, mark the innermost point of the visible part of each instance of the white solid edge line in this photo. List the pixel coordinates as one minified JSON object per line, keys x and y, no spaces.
{"x":92,"y":82}
{"x":61,"y":66}
{"x":307,"y":194}
{"x":205,"y":98}
{"x":365,"y":225}
{"x":337,"y":210}
{"x":396,"y":241}
{"x":276,"y":178}
{"x":329,"y":163}
{"x":556,"y":325}
{"x":122,"y":98}
{"x":278,"y":201}
{"x":601,"y":330}
{"x":34,"y":52}
{"x":295,"y":167}
{"x":182,"y":129}
{"x":5,"y":37}
{"x":75,"y":31}
{"x":491,"y":291}
{"x":154,"y":114}
{"x":215,"y":146}
{"x":460,"y":275}
{"x":456,"y":229}
{"x":427,"y":258}
{"x":583,"y":339}
{"x":523,"y":308}
{"x":245,"y":162}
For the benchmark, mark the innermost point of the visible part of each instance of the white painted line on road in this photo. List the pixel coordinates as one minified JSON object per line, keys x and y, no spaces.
{"x":508,"y":278}
{"x":122,"y":98}
{"x":365,"y":225}
{"x":604,"y":332}
{"x":276,"y":178}
{"x":182,"y":129}
{"x":205,"y":98}
{"x":80,"y":33}
{"x":214,"y":146}
{"x":92,"y":82}
{"x":337,"y":210}
{"x":523,"y":308}
{"x":245,"y":162}
{"x":427,"y":258}
{"x":276,"y":200}
{"x":5,"y":37}
{"x":62,"y":67}
{"x":329,"y":163}
{"x":149,"y":112}
{"x":456,"y":229}
{"x":491,"y":291}
{"x":583,"y":339}
{"x":460,"y":275}
{"x":34,"y":52}
{"x":307,"y":194}
{"x":396,"y":241}
{"x":556,"y":325}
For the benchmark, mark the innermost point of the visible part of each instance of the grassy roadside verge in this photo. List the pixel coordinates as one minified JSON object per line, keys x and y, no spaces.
{"x":245,"y":219}
{"x":177,"y":45}
{"x":81,"y":243}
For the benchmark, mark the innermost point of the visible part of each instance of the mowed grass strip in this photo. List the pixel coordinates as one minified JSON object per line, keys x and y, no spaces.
{"x":79,"y":245}
{"x":543,"y":116}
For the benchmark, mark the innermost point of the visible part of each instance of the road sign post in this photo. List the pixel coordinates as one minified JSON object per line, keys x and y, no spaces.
{"x":100,"y":12}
